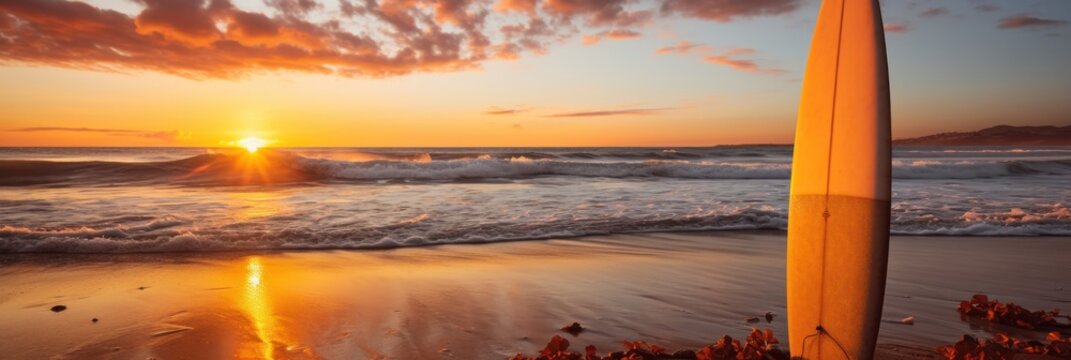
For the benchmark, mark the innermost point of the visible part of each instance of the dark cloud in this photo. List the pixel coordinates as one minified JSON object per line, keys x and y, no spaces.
{"x":638,"y":111}
{"x":504,"y":111}
{"x":1024,"y":21}
{"x":215,"y":39}
{"x":159,"y":135}
{"x":727,"y":10}
{"x":934,"y":12}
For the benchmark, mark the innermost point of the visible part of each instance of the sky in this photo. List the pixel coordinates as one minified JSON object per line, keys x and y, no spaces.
{"x":394,"y":73}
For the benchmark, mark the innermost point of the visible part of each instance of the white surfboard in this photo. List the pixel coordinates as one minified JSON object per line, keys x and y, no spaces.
{"x":838,"y":227}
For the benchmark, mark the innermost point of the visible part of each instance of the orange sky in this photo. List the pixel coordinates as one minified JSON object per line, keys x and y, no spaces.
{"x":501,"y":73}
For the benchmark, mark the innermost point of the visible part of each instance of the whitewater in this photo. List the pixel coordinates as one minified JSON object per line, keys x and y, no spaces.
{"x":116,"y":200}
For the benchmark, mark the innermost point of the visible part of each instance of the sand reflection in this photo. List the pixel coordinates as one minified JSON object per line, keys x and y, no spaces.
{"x":257,"y":305}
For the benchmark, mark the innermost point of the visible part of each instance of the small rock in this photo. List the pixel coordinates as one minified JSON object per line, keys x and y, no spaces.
{"x":59,"y":308}
{"x":910,"y":320}
{"x":573,"y":329}
{"x":141,"y":288}
{"x":95,"y":320}
{"x":753,"y":320}
{"x":769,"y":316}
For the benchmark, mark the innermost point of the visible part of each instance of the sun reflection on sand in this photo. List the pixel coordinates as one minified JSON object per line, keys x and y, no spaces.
{"x":257,"y":306}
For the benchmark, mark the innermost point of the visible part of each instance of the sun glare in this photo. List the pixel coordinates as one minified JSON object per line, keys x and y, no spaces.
{"x":251,"y":144}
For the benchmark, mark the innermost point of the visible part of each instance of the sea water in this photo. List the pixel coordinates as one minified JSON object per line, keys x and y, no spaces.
{"x":105,"y":200}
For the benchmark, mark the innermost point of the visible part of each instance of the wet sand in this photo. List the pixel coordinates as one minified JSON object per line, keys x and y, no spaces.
{"x":486,"y":301}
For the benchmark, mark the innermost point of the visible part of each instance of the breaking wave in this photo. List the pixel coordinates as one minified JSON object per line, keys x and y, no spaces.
{"x":173,"y":234}
{"x":285,"y":167}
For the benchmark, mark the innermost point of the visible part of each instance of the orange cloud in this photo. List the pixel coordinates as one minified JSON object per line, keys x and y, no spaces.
{"x":1024,"y":21}
{"x":215,"y":39}
{"x":729,"y":58}
{"x":612,"y":35}
{"x":683,"y":47}
{"x":896,"y":28}
{"x":171,"y":135}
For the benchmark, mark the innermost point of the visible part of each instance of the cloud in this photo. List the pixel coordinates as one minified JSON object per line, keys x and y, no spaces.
{"x":1028,"y":22}
{"x":504,"y":111}
{"x":744,"y":65}
{"x":683,"y":47}
{"x":369,"y":38}
{"x":637,"y":111}
{"x":612,"y":35}
{"x":896,"y":28}
{"x":728,"y":10}
{"x":987,"y":8}
{"x":170,"y":135}
{"x":732,"y":59}
{"x":934,"y":12}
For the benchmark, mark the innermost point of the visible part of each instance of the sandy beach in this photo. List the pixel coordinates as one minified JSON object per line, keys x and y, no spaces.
{"x":485,"y":301}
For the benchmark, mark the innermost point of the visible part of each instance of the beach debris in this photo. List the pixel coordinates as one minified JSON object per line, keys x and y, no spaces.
{"x":59,"y":308}
{"x":573,"y":329}
{"x":759,"y":345}
{"x":910,"y":320}
{"x":769,"y":316}
{"x":1002,"y":347}
{"x":752,"y":320}
{"x":1010,"y":313}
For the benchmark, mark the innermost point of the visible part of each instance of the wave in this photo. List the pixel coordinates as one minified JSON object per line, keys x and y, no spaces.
{"x":285,"y":167}
{"x":174,"y":234}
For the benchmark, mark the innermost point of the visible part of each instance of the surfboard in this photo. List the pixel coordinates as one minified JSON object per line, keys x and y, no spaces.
{"x":838,"y":227}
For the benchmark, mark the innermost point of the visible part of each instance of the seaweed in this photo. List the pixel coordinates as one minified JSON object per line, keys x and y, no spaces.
{"x":1002,"y":347}
{"x":759,"y":345}
{"x":1011,"y":314}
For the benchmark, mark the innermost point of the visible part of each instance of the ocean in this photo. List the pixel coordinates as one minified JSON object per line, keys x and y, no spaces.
{"x":123,"y":200}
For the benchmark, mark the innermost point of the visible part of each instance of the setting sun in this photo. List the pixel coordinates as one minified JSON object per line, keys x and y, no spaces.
{"x":251,"y":144}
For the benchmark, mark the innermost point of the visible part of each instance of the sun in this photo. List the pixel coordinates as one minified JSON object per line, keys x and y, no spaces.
{"x":252,"y":143}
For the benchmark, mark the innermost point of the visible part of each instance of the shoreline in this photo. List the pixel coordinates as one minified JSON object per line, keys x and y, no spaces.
{"x":11,"y":257}
{"x":493,"y":300}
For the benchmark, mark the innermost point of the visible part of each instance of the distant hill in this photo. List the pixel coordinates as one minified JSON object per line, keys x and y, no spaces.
{"x":996,"y":136}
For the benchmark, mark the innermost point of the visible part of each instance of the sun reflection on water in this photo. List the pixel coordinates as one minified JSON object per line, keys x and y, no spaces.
{"x":249,"y":205}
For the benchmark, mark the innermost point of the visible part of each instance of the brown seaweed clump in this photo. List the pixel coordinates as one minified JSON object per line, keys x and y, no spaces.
{"x":759,"y":345}
{"x":1004,"y":347}
{"x":1011,"y":314}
